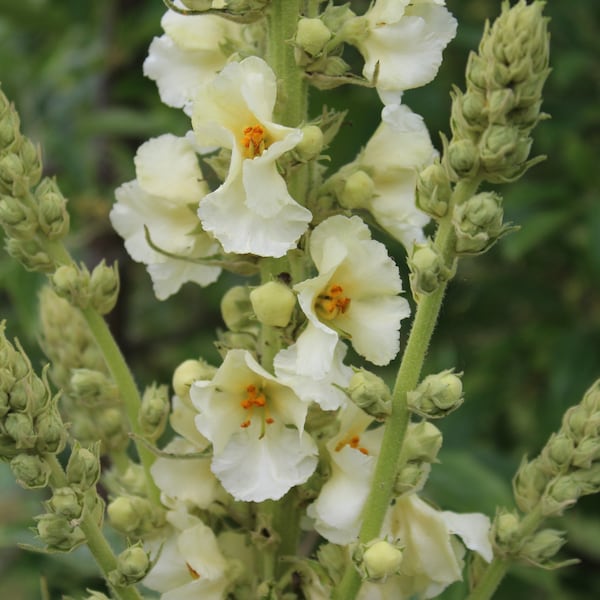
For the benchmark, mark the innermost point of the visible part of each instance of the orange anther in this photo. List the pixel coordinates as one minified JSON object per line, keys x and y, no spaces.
{"x":245,"y":424}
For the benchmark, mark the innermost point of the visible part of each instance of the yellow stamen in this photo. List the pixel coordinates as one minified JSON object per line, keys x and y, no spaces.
{"x":332,"y":302}
{"x":353,"y":442}
{"x":254,"y":141}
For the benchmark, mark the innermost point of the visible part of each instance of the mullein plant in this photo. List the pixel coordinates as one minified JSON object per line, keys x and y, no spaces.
{"x":291,"y":474}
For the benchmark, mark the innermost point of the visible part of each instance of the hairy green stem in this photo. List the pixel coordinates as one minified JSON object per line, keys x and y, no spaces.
{"x":407,"y":378}
{"x":99,"y":547}
{"x":127,"y":388}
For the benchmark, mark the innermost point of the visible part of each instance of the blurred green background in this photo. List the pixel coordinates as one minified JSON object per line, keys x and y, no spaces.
{"x":522,"y":322}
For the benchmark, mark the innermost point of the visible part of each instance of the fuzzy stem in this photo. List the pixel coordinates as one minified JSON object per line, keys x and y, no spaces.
{"x":99,"y":547}
{"x":407,"y":378}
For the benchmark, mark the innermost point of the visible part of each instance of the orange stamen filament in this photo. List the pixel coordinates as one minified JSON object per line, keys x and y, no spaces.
{"x":254,"y":141}
{"x":255,"y":398}
{"x":193,"y":572}
{"x":332,"y":302}
{"x":353,"y":442}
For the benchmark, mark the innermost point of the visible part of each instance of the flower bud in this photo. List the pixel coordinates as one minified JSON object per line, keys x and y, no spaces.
{"x":478,"y":223}
{"x":273,"y":303}
{"x":559,"y":451}
{"x":83,"y":468}
{"x":437,"y":395}
{"x":104,"y":288}
{"x":381,"y":559}
{"x":153,"y":414}
{"x":65,"y":502}
{"x":188,"y":372}
{"x":73,"y":284}
{"x":31,"y":255}
{"x":11,"y":174}
{"x":575,"y":420}
{"x":507,"y":529}
{"x":423,"y":442}
{"x":52,"y":210}
{"x":427,"y":269}
{"x":412,"y":477}
{"x":560,"y":494}
{"x":529,"y":484}
{"x":370,"y":393}
{"x":586,"y":452}
{"x":132,"y":566}
{"x":433,"y":190}
{"x":92,"y":388}
{"x":19,"y":426}
{"x":32,"y":165}
{"x":18,"y":220}
{"x":30,"y":471}
{"x":29,"y":394}
{"x":51,"y":432}
{"x":131,"y":515}
{"x":110,"y":427}
{"x":312,"y":35}
{"x":311,"y":144}
{"x":358,"y":191}
{"x":542,"y":546}
{"x":463,"y":158}
{"x":236,"y":308}
{"x":57,"y":532}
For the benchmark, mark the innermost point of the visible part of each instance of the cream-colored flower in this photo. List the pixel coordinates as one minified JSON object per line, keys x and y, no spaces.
{"x":256,"y":426}
{"x":161,"y":204}
{"x":354,"y":295}
{"x":252,"y":212}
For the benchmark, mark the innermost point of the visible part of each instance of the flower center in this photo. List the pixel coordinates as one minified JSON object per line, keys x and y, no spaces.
{"x":254,"y":141}
{"x":255,"y":398}
{"x":193,"y":572}
{"x":353,"y":442}
{"x":331,"y":302}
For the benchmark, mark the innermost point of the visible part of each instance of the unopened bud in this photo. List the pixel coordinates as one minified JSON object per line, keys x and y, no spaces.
{"x":529,"y":484}
{"x":92,"y":388}
{"x":463,"y":158}
{"x":104,"y":288}
{"x":11,"y":173}
{"x":586,"y":453}
{"x":132,"y":566}
{"x":188,"y":372}
{"x":30,"y":470}
{"x":52,"y":210}
{"x":358,"y":191}
{"x":29,"y":394}
{"x":31,"y":255}
{"x":381,"y":559}
{"x":311,"y":144}
{"x":437,"y":395}
{"x":370,"y":393}
{"x":131,"y":515}
{"x":236,"y":308}
{"x":542,"y":546}
{"x":434,"y":190}
{"x":153,"y":414}
{"x":559,"y":450}
{"x":412,"y":477}
{"x":17,"y":218}
{"x":19,"y":426}
{"x":273,"y":303}
{"x":58,"y":533}
{"x":312,"y":35}
{"x":561,"y":493}
{"x":66,"y":502}
{"x":427,"y":269}
{"x":507,"y":529}
{"x":51,"y":432}
{"x":73,"y":284}
{"x":423,"y":442}
{"x":575,"y":420}
{"x":83,"y":468}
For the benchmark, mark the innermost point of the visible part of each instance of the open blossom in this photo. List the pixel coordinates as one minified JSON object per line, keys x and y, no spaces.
{"x":397,"y":151}
{"x":353,"y":453}
{"x":162,"y":200}
{"x":190,"y":563}
{"x":256,"y":426}
{"x":432,"y":556}
{"x":403,"y":43}
{"x":355,"y":294}
{"x":191,"y":52}
{"x":252,"y":212}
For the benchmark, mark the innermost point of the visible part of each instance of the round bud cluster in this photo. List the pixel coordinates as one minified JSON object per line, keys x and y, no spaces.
{"x":154,"y":411}
{"x":427,"y":269}
{"x":134,"y":516}
{"x":132,"y":566}
{"x":370,"y":393}
{"x":437,"y":395}
{"x":378,"y":559}
{"x":492,"y":121}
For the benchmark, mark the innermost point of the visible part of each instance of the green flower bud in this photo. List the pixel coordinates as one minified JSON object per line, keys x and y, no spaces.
{"x":188,"y":372}
{"x":423,"y":442}
{"x":412,"y":477}
{"x":51,"y":432}
{"x":30,"y":471}
{"x":236,"y":308}
{"x":504,"y":151}
{"x":73,"y":284}
{"x":92,"y":388}
{"x":132,"y":515}
{"x":29,"y":394}
{"x":311,"y":144}
{"x":353,"y":30}
{"x":463,"y":158}
{"x":529,"y":484}
{"x":559,"y":450}
{"x":153,"y":414}
{"x":561,"y":493}
{"x":591,"y":399}
{"x":66,"y":502}
{"x":427,"y":269}
{"x":542,"y":546}
{"x":11,"y":174}
{"x":437,"y":395}
{"x":434,"y":190}
{"x":83,"y":468}
{"x":370,"y":393}
{"x":18,"y":220}
{"x":132,"y":566}
{"x":31,"y":255}
{"x":575,"y":420}
{"x":111,"y":427}
{"x":134,"y":480}
{"x":57,"y":532}
{"x":52,"y":209}
{"x":312,"y":35}
{"x":478,"y":223}
{"x":31,"y":159}
{"x":358,"y":191}
{"x":586,"y":453}
{"x":198,"y":5}
{"x":10,"y":135}
{"x":19,"y":426}
{"x":380,"y":559}
{"x":507,"y":530}
{"x":473,"y":106}
{"x":104,"y":287}
{"x":273,"y":303}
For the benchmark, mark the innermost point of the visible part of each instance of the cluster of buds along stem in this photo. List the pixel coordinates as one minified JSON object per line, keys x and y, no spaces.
{"x":567,"y":468}
{"x":437,"y":395}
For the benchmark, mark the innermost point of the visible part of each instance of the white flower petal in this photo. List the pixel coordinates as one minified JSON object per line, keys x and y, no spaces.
{"x":473,"y":529}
